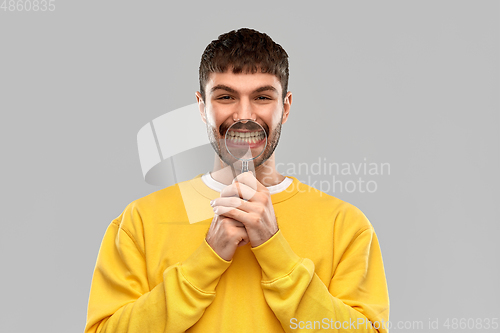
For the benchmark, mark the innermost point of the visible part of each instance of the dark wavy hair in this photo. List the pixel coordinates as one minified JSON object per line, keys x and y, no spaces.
{"x":245,"y":50}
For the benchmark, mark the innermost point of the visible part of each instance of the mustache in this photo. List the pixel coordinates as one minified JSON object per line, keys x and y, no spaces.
{"x":249,"y":126}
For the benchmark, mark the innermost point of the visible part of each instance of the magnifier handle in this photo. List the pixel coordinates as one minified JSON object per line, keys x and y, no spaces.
{"x":244,"y":166}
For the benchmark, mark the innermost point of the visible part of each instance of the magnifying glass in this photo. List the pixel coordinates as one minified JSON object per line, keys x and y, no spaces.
{"x":245,"y":140}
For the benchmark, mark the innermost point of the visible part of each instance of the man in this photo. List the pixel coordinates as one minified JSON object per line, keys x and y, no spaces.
{"x":320,"y":268}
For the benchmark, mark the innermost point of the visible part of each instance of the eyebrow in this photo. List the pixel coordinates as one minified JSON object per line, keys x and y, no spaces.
{"x":231,"y":90}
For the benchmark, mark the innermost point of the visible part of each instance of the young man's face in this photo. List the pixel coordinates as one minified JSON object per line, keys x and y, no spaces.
{"x":230,"y":97}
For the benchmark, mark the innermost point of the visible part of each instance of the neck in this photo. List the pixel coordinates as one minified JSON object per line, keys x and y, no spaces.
{"x":265,"y":173}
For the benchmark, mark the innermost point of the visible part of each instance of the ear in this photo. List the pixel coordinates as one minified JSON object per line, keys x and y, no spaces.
{"x":201,"y":106}
{"x":287,"y":103}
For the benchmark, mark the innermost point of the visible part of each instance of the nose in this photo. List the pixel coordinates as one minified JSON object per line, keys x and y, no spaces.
{"x":244,"y":111}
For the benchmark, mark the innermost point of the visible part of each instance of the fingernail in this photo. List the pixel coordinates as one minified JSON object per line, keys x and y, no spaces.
{"x":212,"y":203}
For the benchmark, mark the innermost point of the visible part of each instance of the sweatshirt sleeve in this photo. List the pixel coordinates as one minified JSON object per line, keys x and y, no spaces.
{"x":121,"y":300}
{"x":356,"y":296}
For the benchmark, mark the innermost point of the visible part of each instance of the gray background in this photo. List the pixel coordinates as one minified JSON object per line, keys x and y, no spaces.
{"x":410,"y":83}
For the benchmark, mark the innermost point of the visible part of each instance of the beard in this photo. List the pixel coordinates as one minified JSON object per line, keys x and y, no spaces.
{"x":217,"y":140}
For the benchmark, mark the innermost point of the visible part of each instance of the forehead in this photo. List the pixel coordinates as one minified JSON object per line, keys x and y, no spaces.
{"x":243,"y":82}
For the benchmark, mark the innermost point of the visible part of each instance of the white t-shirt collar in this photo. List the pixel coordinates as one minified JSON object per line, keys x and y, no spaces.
{"x":216,"y":186}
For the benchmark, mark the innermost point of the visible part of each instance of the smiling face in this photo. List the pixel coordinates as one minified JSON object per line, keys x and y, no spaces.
{"x":231,"y":97}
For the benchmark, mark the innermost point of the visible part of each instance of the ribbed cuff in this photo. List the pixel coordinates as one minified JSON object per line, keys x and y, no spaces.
{"x":204,"y":268}
{"x":276,"y":257}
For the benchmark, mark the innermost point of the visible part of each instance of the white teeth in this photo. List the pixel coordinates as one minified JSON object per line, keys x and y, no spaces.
{"x":245,"y":134}
{"x":249,"y":137}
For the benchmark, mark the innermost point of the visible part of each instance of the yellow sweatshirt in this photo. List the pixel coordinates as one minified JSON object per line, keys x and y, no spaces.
{"x":322,"y":271}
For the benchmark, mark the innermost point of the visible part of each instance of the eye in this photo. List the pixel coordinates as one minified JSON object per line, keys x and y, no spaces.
{"x":263,"y":98}
{"x":224,"y":97}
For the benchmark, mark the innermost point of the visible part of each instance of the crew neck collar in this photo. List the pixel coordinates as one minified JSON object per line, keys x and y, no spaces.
{"x":286,"y":193}
{"x":218,"y":186}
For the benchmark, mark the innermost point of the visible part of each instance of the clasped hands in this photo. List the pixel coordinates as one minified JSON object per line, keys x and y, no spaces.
{"x":236,"y":221}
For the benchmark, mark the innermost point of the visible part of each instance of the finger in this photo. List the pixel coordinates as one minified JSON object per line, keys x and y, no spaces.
{"x":219,"y":221}
{"x":241,"y":234}
{"x":232,"y":222}
{"x":249,"y":180}
{"x":236,"y":214}
{"x":238,"y":190}
{"x":223,"y":210}
{"x":244,"y":241}
{"x":235,"y":202}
